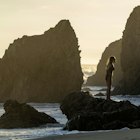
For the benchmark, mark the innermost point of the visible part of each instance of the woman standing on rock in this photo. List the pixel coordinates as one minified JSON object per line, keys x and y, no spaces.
{"x":109,"y":69}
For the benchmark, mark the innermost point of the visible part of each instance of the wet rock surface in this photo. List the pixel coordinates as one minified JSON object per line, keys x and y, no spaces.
{"x":21,"y":115}
{"x":86,"y":113}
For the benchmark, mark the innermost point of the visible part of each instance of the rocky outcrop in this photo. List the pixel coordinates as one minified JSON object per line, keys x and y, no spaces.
{"x":86,"y":113}
{"x":114,"y":49}
{"x":42,"y":68}
{"x":130,"y":57}
{"x":22,"y":116}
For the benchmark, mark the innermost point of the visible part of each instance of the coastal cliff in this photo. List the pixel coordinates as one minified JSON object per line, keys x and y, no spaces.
{"x":114,"y":49}
{"x":42,"y":68}
{"x":130,"y":56}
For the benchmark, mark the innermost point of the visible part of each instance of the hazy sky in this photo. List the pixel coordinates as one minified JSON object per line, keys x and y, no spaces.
{"x":96,"y":22}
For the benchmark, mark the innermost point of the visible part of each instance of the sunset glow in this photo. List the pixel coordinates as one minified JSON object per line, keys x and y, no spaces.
{"x":96,"y":22}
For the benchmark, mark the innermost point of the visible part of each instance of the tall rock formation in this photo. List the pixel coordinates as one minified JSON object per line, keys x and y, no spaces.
{"x":114,"y":49}
{"x":42,"y":68}
{"x":130,"y":56}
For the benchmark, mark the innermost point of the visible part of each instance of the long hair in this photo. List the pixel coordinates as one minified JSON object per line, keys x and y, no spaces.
{"x":110,"y":60}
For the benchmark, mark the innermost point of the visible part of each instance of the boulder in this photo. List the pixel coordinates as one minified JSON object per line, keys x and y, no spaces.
{"x":98,"y":79}
{"x":86,"y":121}
{"x":86,"y":113}
{"x":21,"y":115}
{"x":130,"y":58}
{"x":74,"y":103}
{"x":42,"y":68}
{"x":99,"y":94}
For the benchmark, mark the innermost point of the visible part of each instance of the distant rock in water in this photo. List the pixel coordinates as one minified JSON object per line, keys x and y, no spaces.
{"x":22,"y":116}
{"x":130,"y":56}
{"x":114,"y":49}
{"x":86,"y":113}
{"x":42,"y":68}
{"x":99,"y":94}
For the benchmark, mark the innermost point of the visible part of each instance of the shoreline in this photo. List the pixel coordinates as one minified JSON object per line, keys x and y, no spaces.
{"x":131,"y":134}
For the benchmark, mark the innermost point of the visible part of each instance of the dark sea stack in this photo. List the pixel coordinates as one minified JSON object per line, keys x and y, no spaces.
{"x":75,"y":102}
{"x":114,"y":49}
{"x":130,"y":56}
{"x":86,"y":113}
{"x":21,"y":115}
{"x":42,"y":68}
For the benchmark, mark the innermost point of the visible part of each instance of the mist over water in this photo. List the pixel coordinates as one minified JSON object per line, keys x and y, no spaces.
{"x":88,"y":70}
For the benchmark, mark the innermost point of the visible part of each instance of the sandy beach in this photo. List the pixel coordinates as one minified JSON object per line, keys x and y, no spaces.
{"x":133,"y":134}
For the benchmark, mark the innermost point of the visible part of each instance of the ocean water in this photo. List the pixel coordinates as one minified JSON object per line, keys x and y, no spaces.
{"x":134,"y":99}
{"x":53,"y":110}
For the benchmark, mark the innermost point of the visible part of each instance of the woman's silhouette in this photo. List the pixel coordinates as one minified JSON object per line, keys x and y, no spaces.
{"x":109,"y":69}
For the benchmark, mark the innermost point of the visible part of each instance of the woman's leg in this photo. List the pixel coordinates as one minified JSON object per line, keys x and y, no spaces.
{"x":108,"y":89}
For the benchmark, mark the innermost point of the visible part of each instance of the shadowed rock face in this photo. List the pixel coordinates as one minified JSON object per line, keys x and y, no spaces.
{"x":86,"y":113}
{"x":42,"y":68}
{"x":114,"y":49}
{"x":130,"y":56}
{"x":22,"y":116}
